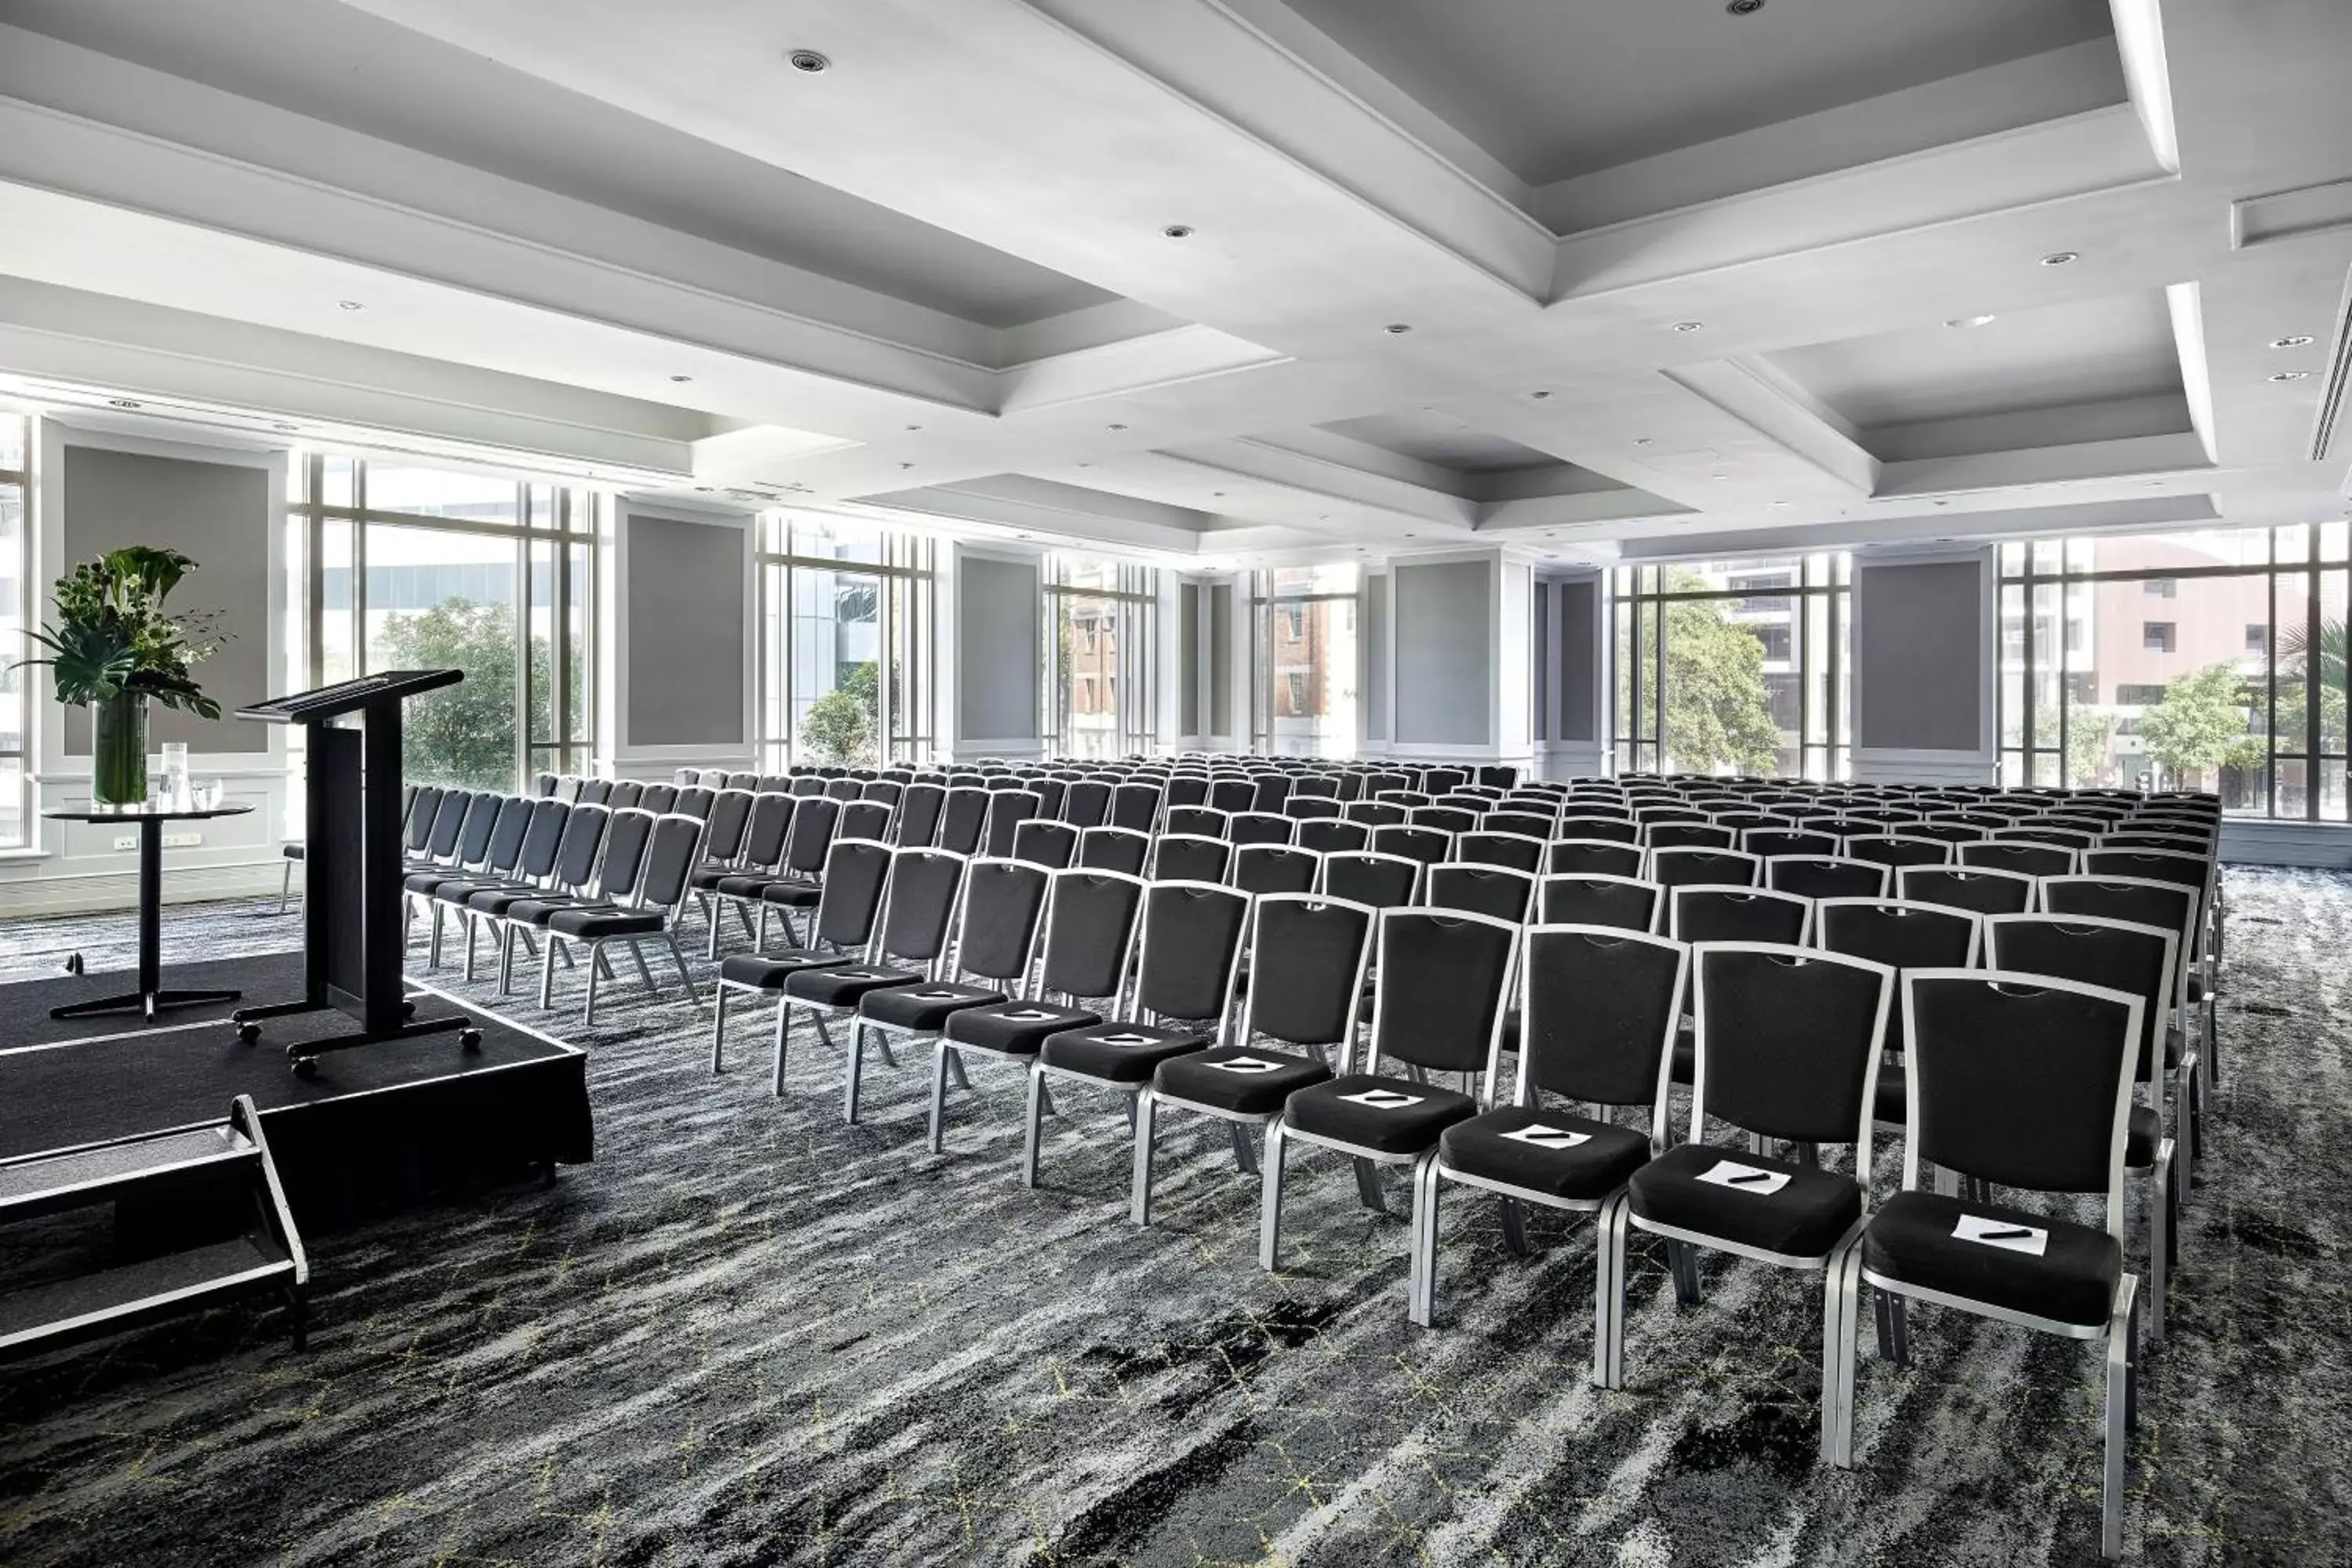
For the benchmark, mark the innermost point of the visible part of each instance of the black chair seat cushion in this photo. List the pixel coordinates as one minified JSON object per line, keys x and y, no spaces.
{"x":769,"y":970}
{"x":425,"y":881}
{"x":1229,"y":1079}
{"x":606,"y":923}
{"x":1590,"y":1169}
{"x":462,"y":892}
{"x":707,"y":878}
{"x":844,"y":986}
{"x":925,"y":1008}
{"x":747,"y":884}
{"x":1015,"y":1028}
{"x":540,"y":911}
{"x":291,"y":851}
{"x":2073,"y":1281}
{"x":792,"y":895}
{"x":504,"y":902}
{"x":1389,"y":1115}
{"x":1119,"y":1052}
{"x":1803,"y":1219}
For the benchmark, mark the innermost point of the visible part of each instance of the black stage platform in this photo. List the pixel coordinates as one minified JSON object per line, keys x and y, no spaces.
{"x":379,"y":1126}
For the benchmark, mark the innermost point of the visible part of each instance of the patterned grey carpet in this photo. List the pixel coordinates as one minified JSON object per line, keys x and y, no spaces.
{"x":748,"y":1334}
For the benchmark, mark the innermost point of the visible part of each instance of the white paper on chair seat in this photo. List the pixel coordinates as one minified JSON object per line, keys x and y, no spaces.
{"x":1742,"y":1178}
{"x":935,"y":995}
{"x":1125,"y":1039}
{"x":2000,"y":1233}
{"x":1544,"y":1137}
{"x":1030,"y":1015}
{"x":1384,"y":1098}
{"x":1246,"y":1064}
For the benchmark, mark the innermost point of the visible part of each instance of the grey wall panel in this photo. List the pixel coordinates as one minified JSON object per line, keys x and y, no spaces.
{"x":1579,"y":682}
{"x":218,"y":514}
{"x":1546,"y":723}
{"x":999,"y":648}
{"x":685,"y":608}
{"x":1376,"y":658}
{"x":1221,"y":659}
{"x":1917,"y":656}
{"x":1188,"y":658}
{"x":1444,"y":627}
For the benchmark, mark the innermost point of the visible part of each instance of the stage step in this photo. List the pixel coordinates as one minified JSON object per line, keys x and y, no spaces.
{"x":137,"y":1292}
{"x":268,"y":1257}
{"x":45,"y":1184}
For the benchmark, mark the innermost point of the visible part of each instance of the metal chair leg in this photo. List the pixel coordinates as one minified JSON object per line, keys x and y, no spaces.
{"x":1514,"y":1226}
{"x":849,"y":1084}
{"x":596,"y":966}
{"x":1245,"y":1153}
{"x":942,"y":1054}
{"x":1894,"y":1328}
{"x":1368,"y":1184}
{"x":783,"y":1028}
{"x":638,"y":956}
{"x":2122,"y":1329}
{"x":956,"y":1075}
{"x":285,"y":888}
{"x":1421,"y":1272}
{"x":1139,"y":1206}
{"x":718,"y":1030}
{"x":1609,"y":1294}
{"x":685,"y":976}
{"x":1029,"y":1129}
{"x":1269,"y":1223}
{"x":546,"y":973}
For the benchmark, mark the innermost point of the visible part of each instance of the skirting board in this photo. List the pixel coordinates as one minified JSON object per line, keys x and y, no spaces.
{"x":81,"y":892}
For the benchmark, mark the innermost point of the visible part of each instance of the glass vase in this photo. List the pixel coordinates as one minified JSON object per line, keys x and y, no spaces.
{"x":117,"y":764}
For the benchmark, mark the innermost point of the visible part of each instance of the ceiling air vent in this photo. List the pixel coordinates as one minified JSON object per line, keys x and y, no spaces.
{"x":2338,"y":385}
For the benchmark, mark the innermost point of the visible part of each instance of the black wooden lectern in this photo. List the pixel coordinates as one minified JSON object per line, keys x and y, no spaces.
{"x":352,"y":943}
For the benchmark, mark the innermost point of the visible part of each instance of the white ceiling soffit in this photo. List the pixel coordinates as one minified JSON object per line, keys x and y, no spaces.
{"x":1660,"y":269}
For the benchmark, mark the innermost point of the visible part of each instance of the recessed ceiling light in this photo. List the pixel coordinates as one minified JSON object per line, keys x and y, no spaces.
{"x":914,"y":427}
{"x":2290,"y":376}
{"x":1397,"y":329}
{"x":1114,"y":427}
{"x":1971,"y":321}
{"x":1745,"y":8}
{"x":1177,"y":231}
{"x":120,"y":403}
{"x":1217,"y":492}
{"x":1783,"y":503}
{"x":2300,"y":341}
{"x":906,"y":465}
{"x":1689,"y":326}
{"x":681,"y":378}
{"x":809,"y":60}
{"x":1539,"y":395}
{"x":290,"y":429}
{"x":349,"y":305}
{"x":2061,"y":257}
{"x":704,"y":489}
{"x":1643,"y":441}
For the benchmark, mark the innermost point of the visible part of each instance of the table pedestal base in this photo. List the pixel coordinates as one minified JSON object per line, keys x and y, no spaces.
{"x":146,"y":1002}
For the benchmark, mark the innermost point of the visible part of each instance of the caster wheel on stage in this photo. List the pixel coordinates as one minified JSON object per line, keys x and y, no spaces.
{"x":471,"y":1039}
{"x":247,"y":1033}
{"x":306,"y":1068}
{"x":409,"y":1009}
{"x":73,"y":963}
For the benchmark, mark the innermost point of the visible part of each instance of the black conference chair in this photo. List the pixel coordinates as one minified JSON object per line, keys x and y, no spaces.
{"x":1697,"y":913}
{"x":1332,"y":836}
{"x":1975,"y":889}
{"x":1369,"y":877}
{"x":1599,"y":1009}
{"x":1594,"y":857}
{"x":1053,"y":845}
{"x":1437,"y":1007}
{"x":999,"y":912}
{"x":1317,"y":951}
{"x":1189,"y":858}
{"x":651,"y":914}
{"x":1107,"y":848}
{"x":1975,"y":1037}
{"x":1619,"y":903}
{"x":1825,"y":877}
{"x":847,"y":905}
{"x":1685,"y":867}
{"x":1496,"y":891}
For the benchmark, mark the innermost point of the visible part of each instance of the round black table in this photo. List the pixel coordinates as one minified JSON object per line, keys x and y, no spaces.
{"x":151,"y":996}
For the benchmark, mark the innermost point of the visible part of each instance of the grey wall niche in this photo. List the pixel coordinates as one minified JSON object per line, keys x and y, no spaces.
{"x":1919,"y":656}
{"x":999,"y":619}
{"x":1442,"y":617}
{"x":218,"y":514}
{"x":684,"y":600}
{"x":1576,"y":679}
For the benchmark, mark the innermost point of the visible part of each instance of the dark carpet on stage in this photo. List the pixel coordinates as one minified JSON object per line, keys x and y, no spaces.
{"x":750,"y":1336}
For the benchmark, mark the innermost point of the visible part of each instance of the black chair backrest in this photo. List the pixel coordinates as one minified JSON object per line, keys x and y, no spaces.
{"x":918,"y":905}
{"x":507,"y":828}
{"x":1826,"y":876}
{"x":1439,"y":997}
{"x":1007,"y":810}
{"x":730,"y":816}
{"x":543,"y":839}
{"x":1053,"y":845}
{"x":1606,"y":829}
{"x":2115,"y":955}
{"x":1902,"y":936}
{"x":625,"y":837}
{"x":1425,"y":845}
{"x":1187,"y":789}
{"x":919,"y":815}
{"x":857,"y":872}
{"x":1526,"y":824}
{"x":1331,"y":835}
{"x":1620,"y":903}
{"x":1310,"y":807}
{"x":888,"y":792}
{"x":1713,"y":868}
{"x":1191,"y":858}
{"x":1274,"y":869}
{"x":448,"y":823}
{"x":807,"y":786}
{"x":1598,"y":1010}
{"x":1195,"y":821}
{"x":1489,"y":848}
{"x":1369,"y":877}
{"x":1086,"y":803}
{"x":1259,"y":827}
{"x":1109,"y":848}
{"x":1689,"y":836}
{"x":1232,"y":794}
{"x":1895,"y":851}
{"x":1443,"y":819}
{"x":595,"y":792}
{"x":1134,"y":806}
{"x":749,"y":782}
{"x":963,"y":817}
{"x":1701,"y":913}
{"x":843,"y":789}
{"x":1787,"y":1041}
{"x":1191,"y":948}
{"x":2032,"y":859}
{"x":1981,"y":891}
{"x":699,"y":801}
{"x":815,"y":822}
{"x":764,"y":835}
{"x":1497,"y":891}
{"x":2140,"y":900}
{"x":1374,"y":813}
{"x":581,"y":846}
{"x":543,"y":785}
{"x":659,"y":798}
{"x":1307,"y":981}
{"x":1004,"y":902}
{"x":864,"y":819}
{"x":1089,"y":931}
{"x":2018,"y":1081}
{"x":671,"y":850}
{"x":628,"y":794}
{"x":2156,"y":865}
{"x":1593,"y":858}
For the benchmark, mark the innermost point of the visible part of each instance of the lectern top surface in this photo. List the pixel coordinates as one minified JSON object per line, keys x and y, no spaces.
{"x":349,"y":696}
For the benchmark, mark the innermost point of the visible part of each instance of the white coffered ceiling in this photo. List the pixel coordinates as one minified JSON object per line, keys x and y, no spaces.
{"x":1130,"y":270}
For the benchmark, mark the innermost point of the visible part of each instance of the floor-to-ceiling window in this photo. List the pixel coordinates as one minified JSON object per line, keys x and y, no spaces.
{"x":17,"y":610}
{"x":1304,"y":660}
{"x":406,"y":567}
{"x":1732,"y":667}
{"x":2209,"y":659}
{"x":1098,"y":694}
{"x":845,"y":637}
